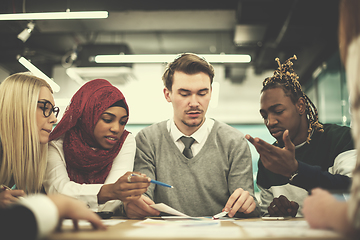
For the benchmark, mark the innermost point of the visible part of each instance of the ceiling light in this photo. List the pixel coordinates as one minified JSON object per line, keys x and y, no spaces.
{"x":25,"y":34}
{"x":55,"y":15}
{"x":164,"y":58}
{"x":38,"y":73}
{"x":116,"y":75}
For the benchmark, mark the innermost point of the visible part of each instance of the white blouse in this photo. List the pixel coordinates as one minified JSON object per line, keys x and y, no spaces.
{"x":58,"y":181}
{"x":44,"y":210}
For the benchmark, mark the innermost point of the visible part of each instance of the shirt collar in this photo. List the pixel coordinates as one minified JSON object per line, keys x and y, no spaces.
{"x":199,"y":135}
{"x":302,"y":144}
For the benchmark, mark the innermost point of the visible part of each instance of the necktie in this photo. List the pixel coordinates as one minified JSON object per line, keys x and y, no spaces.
{"x":188,"y":141}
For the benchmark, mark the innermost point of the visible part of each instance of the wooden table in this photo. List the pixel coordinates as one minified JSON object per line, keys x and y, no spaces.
{"x":227,"y":230}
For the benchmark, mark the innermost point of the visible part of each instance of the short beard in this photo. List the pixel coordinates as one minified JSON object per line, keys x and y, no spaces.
{"x":193,"y":125}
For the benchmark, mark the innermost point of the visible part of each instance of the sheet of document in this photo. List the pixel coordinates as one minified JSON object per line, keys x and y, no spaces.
{"x":181,"y":233}
{"x":177,"y":215}
{"x":151,"y":229}
{"x":84,"y":223}
{"x":282,"y":228}
{"x":162,"y":207}
{"x":177,"y":223}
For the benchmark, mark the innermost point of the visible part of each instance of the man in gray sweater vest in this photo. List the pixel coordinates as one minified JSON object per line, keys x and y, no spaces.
{"x":212,"y":171}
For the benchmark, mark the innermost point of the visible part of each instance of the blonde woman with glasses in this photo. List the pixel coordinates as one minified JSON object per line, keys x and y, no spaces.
{"x":27,"y":116}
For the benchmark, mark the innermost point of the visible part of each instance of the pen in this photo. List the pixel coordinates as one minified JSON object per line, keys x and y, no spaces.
{"x":155,"y":182}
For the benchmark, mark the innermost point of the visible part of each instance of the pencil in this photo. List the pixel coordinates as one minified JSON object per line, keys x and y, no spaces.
{"x":155,"y":182}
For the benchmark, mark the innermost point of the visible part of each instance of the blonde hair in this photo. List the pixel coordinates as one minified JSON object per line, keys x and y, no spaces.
{"x":349,"y":32}
{"x":349,"y":27}
{"x":23,"y":158}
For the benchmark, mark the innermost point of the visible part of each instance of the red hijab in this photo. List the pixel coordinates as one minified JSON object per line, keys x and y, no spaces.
{"x":86,"y":161}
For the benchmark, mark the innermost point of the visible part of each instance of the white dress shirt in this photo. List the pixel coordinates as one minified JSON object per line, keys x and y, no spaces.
{"x":200,"y":135}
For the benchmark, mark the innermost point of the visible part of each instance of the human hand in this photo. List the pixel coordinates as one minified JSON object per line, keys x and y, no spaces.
{"x":278,"y":160}
{"x":281,"y":207}
{"x":71,"y":208}
{"x":322,"y":210}
{"x":140,"y":208}
{"x":240,"y":201}
{"x":126,"y":188}
{"x":318,"y":206}
{"x":10,"y":196}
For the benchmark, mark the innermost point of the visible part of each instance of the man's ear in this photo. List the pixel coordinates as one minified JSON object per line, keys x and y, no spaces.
{"x":167,"y":94}
{"x":301,"y":106}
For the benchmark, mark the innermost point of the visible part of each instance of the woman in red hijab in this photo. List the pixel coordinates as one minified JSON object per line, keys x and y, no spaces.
{"x":91,"y":155}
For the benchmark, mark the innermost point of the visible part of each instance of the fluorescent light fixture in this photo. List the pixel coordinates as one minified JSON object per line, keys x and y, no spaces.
{"x":164,"y":58}
{"x":55,"y":15}
{"x":38,"y":73}
{"x":25,"y":34}
{"x":116,"y":75}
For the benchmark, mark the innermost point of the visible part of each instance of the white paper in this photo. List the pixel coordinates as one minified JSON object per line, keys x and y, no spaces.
{"x":177,"y":223}
{"x":276,"y":229}
{"x":181,"y":232}
{"x":83,"y":223}
{"x":162,"y":207}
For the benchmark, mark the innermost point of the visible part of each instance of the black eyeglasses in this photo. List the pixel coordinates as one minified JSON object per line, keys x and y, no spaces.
{"x":48,"y":108}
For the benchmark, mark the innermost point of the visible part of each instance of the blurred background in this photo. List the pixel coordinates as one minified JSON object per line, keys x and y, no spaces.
{"x":65,"y":50}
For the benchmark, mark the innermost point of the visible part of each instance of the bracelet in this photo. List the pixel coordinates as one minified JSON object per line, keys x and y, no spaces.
{"x":293,"y":175}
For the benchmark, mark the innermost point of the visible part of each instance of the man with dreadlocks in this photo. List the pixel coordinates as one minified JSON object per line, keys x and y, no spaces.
{"x":307,"y":154}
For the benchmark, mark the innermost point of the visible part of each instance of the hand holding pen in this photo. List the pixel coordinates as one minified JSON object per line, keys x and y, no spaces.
{"x":8,"y":195}
{"x":151,"y":180}
{"x":124,"y":190}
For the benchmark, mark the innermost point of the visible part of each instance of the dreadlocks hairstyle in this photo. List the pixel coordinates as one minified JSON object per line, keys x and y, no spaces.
{"x":285,"y":77}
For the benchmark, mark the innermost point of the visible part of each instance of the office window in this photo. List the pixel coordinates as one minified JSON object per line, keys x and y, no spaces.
{"x":328,"y":91}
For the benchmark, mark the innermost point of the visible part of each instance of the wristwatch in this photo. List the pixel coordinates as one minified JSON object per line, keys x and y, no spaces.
{"x":293,"y":175}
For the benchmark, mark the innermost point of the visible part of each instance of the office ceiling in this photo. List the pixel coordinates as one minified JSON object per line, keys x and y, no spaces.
{"x":265,"y":29}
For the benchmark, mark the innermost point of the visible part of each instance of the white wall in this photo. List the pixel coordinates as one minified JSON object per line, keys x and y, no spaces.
{"x":237,"y":103}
